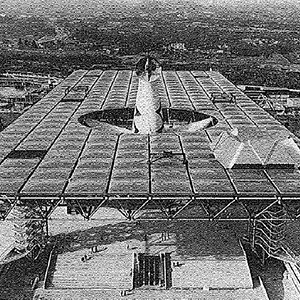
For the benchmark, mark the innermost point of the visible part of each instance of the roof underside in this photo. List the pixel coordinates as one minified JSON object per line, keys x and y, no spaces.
{"x":47,"y":151}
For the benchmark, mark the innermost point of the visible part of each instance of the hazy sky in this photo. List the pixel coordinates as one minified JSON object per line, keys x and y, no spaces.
{"x":91,"y":2}
{"x":44,"y":5}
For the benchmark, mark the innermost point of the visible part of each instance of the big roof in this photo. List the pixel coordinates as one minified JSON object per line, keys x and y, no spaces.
{"x":46,"y":152}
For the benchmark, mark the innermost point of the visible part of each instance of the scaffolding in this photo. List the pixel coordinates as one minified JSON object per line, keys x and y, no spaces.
{"x":29,"y":234}
{"x":267,"y":233}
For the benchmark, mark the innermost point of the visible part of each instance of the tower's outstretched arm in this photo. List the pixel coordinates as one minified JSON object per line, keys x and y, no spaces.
{"x":147,"y":115}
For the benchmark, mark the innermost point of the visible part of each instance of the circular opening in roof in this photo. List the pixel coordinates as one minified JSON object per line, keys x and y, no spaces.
{"x":123,"y":118}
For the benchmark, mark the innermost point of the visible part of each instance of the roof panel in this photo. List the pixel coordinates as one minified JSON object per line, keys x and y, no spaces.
{"x":209,"y":174}
{"x":168,"y":174}
{"x":129,"y":186}
{"x":247,"y":174}
{"x":11,"y":185}
{"x":213,"y":187}
{"x":254,"y":187}
{"x":51,"y":187}
{"x":288,"y":186}
{"x":86,"y":186}
{"x":284,"y":174}
{"x":14,"y":173}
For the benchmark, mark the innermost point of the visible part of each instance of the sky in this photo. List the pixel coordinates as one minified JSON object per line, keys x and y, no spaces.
{"x":32,"y":6}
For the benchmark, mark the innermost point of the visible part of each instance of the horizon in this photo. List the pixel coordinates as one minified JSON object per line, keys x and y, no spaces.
{"x":34,"y":6}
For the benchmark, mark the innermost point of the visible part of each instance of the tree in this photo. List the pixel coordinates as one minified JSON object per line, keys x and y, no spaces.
{"x":1,"y":125}
{"x":34,"y":44}
{"x":20,"y":43}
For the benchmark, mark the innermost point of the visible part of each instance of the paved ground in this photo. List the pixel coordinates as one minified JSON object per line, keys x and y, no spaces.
{"x":193,"y":238}
{"x":6,"y":237}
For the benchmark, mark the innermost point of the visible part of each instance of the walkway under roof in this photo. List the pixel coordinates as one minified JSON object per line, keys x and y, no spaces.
{"x":46,"y":152}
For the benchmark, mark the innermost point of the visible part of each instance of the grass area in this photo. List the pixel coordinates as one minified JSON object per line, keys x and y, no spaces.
{"x":7,"y":118}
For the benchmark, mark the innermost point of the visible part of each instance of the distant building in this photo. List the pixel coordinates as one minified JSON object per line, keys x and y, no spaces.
{"x":46,"y":41}
{"x":110,"y":49}
{"x":177,"y":47}
{"x":293,"y":103}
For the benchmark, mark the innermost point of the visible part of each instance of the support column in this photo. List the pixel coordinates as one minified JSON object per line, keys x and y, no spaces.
{"x":47,"y":227}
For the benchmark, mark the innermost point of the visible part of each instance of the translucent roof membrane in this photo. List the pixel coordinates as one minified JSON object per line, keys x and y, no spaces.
{"x":78,"y":160}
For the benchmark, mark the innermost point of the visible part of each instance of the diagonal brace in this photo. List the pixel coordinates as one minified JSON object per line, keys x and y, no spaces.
{"x":97,"y":208}
{"x":141,"y":207}
{"x":266,"y":208}
{"x":183,"y":207}
{"x":224,"y":208}
{"x":13,"y":204}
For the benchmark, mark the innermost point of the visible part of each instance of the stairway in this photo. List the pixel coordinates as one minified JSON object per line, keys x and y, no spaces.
{"x":99,"y":272}
{"x":152,"y":271}
{"x":149,"y":273}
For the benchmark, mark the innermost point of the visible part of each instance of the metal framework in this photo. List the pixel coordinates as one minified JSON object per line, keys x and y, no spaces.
{"x":266,"y":216}
{"x":166,"y":207}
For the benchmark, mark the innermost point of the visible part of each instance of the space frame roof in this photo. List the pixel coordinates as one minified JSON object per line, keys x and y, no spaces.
{"x":71,"y":160}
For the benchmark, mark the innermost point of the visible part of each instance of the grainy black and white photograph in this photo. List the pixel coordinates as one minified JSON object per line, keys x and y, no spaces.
{"x":149,"y":149}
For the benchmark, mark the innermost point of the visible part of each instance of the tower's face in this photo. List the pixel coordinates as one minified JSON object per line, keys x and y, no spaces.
{"x":147,"y":68}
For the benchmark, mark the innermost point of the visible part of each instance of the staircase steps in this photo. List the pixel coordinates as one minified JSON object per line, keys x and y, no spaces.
{"x":101,"y":271}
